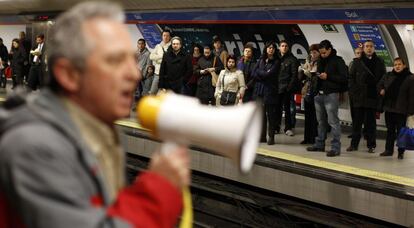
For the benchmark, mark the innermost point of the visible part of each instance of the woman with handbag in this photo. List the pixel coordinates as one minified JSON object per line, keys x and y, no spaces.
{"x":389,"y":88}
{"x":266,"y":89}
{"x":308,"y":92}
{"x":230,"y":84}
{"x":405,"y":103}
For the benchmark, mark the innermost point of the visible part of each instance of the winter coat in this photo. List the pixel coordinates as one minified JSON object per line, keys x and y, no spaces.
{"x":222,"y":54}
{"x":363,"y":82}
{"x":233,"y":82}
{"x":288,"y":74}
{"x":265,"y":75}
{"x":143,"y":61}
{"x":157,"y":54}
{"x":17,"y":60}
{"x":205,"y":89}
{"x":389,"y":103}
{"x":146,"y":84}
{"x":310,"y":80}
{"x":53,"y":179}
{"x":334,"y":66}
{"x":194,"y":77}
{"x":175,"y":69}
{"x":247,"y":68}
{"x":4,"y":54}
{"x":405,"y":101}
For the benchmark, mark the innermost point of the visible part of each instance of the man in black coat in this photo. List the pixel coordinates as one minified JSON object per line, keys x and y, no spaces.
{"x":332,"y":80}
{"x":287,"y":81}
{"x":26,"y":44}
{"x":175,"y":67}
{"x":4,"y":55}
{"x":365,"y":73}
{"x":207,"y":65}
{"x":37,"y":71}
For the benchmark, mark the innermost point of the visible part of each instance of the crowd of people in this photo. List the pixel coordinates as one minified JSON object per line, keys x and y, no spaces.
{"x":217,"y":78}
{"x":26,"y":64}
{"x":61,"y":162}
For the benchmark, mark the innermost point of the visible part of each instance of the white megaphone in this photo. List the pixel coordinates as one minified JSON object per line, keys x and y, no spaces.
{"x":231,"y":131}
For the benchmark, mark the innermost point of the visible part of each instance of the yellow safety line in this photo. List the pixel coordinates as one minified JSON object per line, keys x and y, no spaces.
{"x":338,"y":167}
{"x":314,"y":162}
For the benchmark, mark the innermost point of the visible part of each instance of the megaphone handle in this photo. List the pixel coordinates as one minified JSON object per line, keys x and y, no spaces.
{"x":187,"y":216}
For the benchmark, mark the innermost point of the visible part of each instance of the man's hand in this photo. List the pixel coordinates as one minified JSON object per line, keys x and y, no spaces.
{"x":382,"y":92}
{"x":323,"y":76}
{"x":174,"y":166}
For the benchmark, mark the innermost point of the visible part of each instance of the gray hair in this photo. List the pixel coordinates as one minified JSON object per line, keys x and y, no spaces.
{"x":177,"y":38}
{"x":69,"y":41}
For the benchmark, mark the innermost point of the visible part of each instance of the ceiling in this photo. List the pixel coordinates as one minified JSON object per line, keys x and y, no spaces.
{"x":14,"y":7}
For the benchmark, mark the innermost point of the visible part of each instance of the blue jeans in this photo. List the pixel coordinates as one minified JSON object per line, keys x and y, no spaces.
{"x":326,"y":107}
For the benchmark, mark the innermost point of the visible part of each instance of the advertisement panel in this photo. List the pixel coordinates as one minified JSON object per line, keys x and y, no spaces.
{"x":234,"y":36}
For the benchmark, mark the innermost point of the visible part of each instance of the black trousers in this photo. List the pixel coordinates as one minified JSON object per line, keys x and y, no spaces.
{"x":311,"y":124}
{"x":283,"y":103}
{"x":269,"y":116}
{"x":248,"y":95}
{"x":35,"y":79}
{"x":3,"y":79}
{"x":207,"y":101}
{"x":394,"y":123}
{"x":366,"y":117}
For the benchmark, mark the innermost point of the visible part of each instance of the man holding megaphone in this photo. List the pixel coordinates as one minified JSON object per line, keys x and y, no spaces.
{"x":67,"y":169}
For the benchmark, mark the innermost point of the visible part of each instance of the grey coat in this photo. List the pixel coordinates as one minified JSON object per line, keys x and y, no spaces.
{"x":144,"y":61}
{"x":55,"y":180}
{"x":37,"y":178}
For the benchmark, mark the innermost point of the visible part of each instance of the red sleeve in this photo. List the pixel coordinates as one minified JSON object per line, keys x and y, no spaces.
{"x":151,"y":201}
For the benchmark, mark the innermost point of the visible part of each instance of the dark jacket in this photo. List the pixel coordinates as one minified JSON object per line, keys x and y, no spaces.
{"x":42,"y":56}
{"x":334,"y":66}
{"x":4,"y":54}
{"x":175,"y":69}
{"x":247,"y":69}
{"x":389,"y":83}
{"x":26,"y":45}
{"x":265,"y":75}
{"x":205,"y":89}
{"x":288,"y":74}
{"x":363,"y":82}
{"x":405,"y":101}
{"x":17,"y":60}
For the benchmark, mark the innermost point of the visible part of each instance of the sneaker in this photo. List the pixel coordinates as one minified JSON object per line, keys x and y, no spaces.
{"x":333,"y":153}
{"x":315,"y":149}
{"x":386,"y":153}
{"x":289,"y":133}
{"x":371,"y":150}
{"x":271,"y":141}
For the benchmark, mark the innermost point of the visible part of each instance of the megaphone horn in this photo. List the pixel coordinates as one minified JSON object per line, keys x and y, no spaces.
{"x":231,"y":131}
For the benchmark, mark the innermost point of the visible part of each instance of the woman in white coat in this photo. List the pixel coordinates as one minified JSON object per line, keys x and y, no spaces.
{"x":230,"y":84}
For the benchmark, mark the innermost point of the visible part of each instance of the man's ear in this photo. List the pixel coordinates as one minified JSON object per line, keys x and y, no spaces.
{"x":66,"y":75}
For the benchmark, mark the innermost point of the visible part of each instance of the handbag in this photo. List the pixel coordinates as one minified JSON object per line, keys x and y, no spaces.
{"x":405,"y":138}
{"x":227,"y":97}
